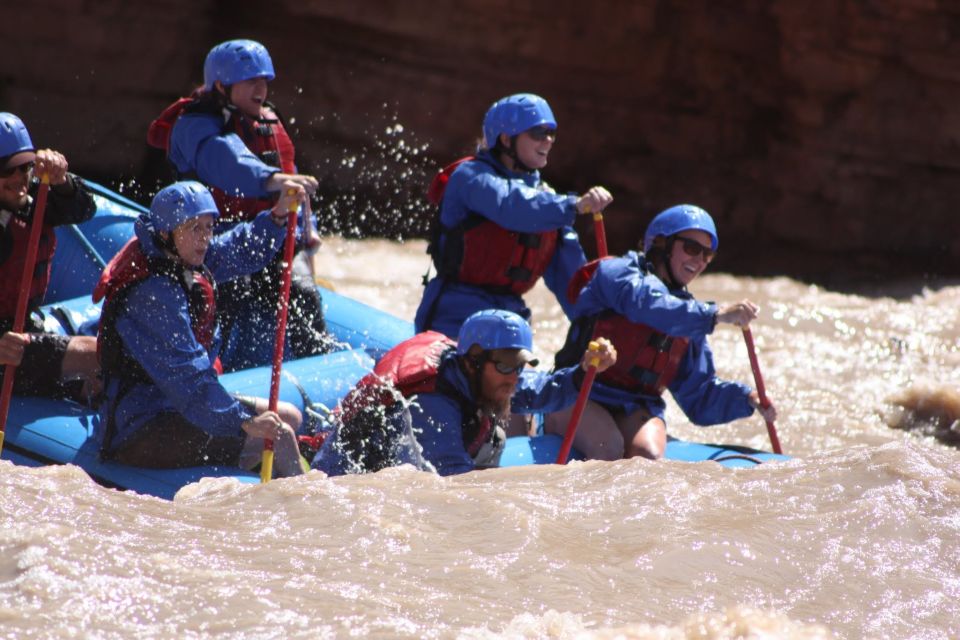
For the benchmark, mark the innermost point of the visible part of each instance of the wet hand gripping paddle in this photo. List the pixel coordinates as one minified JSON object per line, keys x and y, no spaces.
{"x":581,"y":403}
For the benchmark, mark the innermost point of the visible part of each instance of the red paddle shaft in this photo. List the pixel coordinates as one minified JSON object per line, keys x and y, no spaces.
{"x":26,"y":279}
{"x":578,"y":407}
{"x":284,"y":303}
{"x":761,"y":391}
{"x":600,"y":232}
{"x":266,"y":470}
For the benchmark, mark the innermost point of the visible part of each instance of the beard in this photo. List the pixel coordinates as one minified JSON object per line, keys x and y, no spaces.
{"x":498,"y":411}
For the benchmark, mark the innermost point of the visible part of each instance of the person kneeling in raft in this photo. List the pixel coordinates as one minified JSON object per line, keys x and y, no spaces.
{"x":465,"y":392}
{"x":159,"y":339}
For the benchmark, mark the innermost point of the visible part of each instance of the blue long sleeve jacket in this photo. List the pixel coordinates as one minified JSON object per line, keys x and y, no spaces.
{"x":156,"y":330}
{"x":625,"y":286}
{"x":437,"y":418}
{"x":517,"y":201}
{"x":198,"y":145}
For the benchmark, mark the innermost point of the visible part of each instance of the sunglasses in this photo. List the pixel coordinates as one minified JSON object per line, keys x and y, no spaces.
{"x":24,"y":168}
{"x":507,"y":369}
{"x":539,"y":134}
{"x":693,"y":249}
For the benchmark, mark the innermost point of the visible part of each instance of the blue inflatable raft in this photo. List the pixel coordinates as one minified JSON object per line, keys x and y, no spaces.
{"x":545,"y":448}
{"x":42,"y":431}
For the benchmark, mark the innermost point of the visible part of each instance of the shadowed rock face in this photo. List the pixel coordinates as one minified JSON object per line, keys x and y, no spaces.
{"x":823,"y":138}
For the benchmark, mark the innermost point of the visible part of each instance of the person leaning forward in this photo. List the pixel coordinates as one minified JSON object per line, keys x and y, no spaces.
{"x":464,"y":394}
{"x":164,"y":406}
{"x":47,"y":364}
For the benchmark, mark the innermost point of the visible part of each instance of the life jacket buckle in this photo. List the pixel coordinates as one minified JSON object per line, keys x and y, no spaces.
{"x":521,"y":274}
{"x":646,"y":377}
{"x":660,"y":341}
{"x":529,"y":240}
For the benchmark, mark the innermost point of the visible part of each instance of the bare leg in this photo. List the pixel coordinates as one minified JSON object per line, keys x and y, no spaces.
{"x":286,"y":455}
{"x":597,"y":438}
{"x":286,"y":451}
{"x":80,"y":360}
{"x":644,"y":434}
{"x":287,"y":412}
{"x":80,"y":363}
{"x":520,"y":425}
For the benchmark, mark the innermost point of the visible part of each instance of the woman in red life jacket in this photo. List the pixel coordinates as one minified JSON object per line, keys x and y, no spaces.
{"x":641,"y":304}
{"x":159,"y":339}
{"x":47,"y":364}
{"x":500,"y":227}
{"x":229,"y":136}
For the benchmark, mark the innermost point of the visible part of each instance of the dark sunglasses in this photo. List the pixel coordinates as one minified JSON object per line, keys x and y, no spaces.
{"x":507,"y":369}
{"x":693,"y":249}
{"x":540,"y":134}
{"x":24,"y":168}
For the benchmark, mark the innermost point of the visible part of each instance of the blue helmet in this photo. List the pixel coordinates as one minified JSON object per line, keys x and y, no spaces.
{"x":496,"y":329}
{"x":682,"y":217}
{"x":514,"y":115}
{"x":236,"y":60}
{"x":14,"y":137}
{"x":181,"y":201}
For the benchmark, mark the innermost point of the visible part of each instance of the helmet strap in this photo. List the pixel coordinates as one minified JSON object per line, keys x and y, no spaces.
{"x":518,"y":164}
{"x":511,"y":152}
{"x":668,"y":252}
{"x":475,"y":369}
{"x":165,"y":240}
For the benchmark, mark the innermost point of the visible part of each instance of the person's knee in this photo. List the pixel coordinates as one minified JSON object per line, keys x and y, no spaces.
{"x":650,"y":441}
{"x":597,"y":436}
{"x":648,"y":450}
{"x":608,"y":446}
{"x":290,"y":414}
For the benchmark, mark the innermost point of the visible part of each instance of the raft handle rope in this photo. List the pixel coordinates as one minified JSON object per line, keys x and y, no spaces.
{"x":737,"y":456}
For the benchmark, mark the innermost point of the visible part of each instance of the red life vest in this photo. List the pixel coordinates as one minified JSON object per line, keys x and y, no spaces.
{"x":482,"y":253}
{"x":130,"y":266}
{"x":265,"y":137}
{"x":410,"y":368}
{"x":158,"y":135}
{"x":16,"y":234}
{"x":647,"y":359}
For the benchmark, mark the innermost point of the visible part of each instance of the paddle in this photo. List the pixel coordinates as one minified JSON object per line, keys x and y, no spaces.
{"x":581,"y":403}
{"x":26,"y":278}
{"x":266,"y":464}
{"x":600,"y":232}
{"x":761,"y":391}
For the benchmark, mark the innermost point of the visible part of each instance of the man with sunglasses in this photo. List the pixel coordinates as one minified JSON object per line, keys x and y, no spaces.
{"x":500,"y":227}
{"x":641,"y":303}
{"x":44,"y":360}
{"x":443,"y":405}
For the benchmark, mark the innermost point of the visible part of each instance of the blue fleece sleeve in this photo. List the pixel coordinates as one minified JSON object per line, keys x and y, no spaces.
{"x":156,"y":331}
{"x":223,"y":161}
{"x":245,"y":248}
{"x":566,"y":260}
{"x":542,"y":392}
{"x":644,"y":299}
{"x":704,"y":398}
{"x":510,"y":203}
{"x":438,"y":424}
